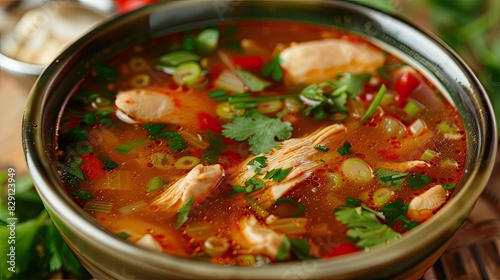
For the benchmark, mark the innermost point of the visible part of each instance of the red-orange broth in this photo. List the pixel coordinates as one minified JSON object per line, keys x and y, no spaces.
{"x":407,"y":151}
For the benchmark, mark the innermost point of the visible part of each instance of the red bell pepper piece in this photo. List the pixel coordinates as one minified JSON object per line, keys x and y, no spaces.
{"x":92,"y":167}
{"x":248,"y":61}
{"x":206,"y":122}
{"x":405,"y":84}
{"x":341,"y":249}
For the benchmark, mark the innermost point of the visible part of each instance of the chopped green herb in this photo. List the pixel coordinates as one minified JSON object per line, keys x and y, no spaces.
{"x":259,"y":130}
{"x":390,"y":178}
{"x":449,"y":186}
{"x":353,"y":85}
{"x":217,"y":93}
{"x":155,"y":183}
{"x":273,"y":69}
{"x":300,"y":207}
{"x":109,"y":164}
{"x":123,"y":235}
{"x":418,"y":181}
{"x":384,"y":71}
{"x":182,"y":213}
{"x":277,"y":175}
{"x":105,"y":74}
{"x":393,"y":210}
{"x":364,"y":227}
{"x":254,"y":83}
{"x":175,"y":140}
{"x":83,"y":194}
{"x":254,"y":184}
{"x":407,"y":224}
{"x":127,"y":147}
{"x":284,"y":249}
{"x":321,"y":148}
{"x":154,"y":128}
{"x":256,"y":207}
{"x":374,"y":104}
{"x":345,"y":149}
{"x":238,"y":189}
{"x":301,"y":248}
{"x":353,"y":202}
{"x":257,"y":163}
{"x":76,"y":134}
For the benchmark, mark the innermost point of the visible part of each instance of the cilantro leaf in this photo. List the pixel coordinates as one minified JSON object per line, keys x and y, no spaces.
{"x":353,"y":84}
{"x":175,"y":140}
{"x":301,"y":248}
{"x":182,"y":213}
{"x":449,"y":186}
{"x":364,"y":227}
{"x":277,"y":175}
{"x":390,"y":178}
{"x":418,"y":181}
{"x":259,"y":130}
{"x":345,"y":149}
{"x":257,"y":163}
{"x":273,"y":69}
{"x":154,"y":128}
{"x":353,"y":202}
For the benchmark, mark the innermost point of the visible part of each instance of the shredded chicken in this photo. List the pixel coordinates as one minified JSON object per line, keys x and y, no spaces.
{"x":256,"y":238}
{"x":317,"y":61}
{"x":296,"y":153}
{"x":198,"y":183}
{"x":422,"y":207}
{"x":402,"y":166}
{"x":146,"y":105}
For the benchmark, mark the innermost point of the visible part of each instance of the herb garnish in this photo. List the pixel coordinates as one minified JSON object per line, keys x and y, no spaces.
{"x":182,"y":213}
{"x":390,"y":178}
{"x":257,"y":163}
{"x":321,"y":148}
{"x":273,"y":69}
{"x":277,"y":175}
{"x":418,"y":181}
{"x":345,"y":149}
{"x":259,"y":130}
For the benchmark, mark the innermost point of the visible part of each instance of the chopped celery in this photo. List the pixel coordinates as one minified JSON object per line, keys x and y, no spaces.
{"x":186,"y":162}
{"x":230,"y":82}
{"x":207,"y":41}
{"x":187,"y":73}
{"x":448,"y":163}
{"x":161,"y":160}
{"x":417,"y":127}
{"x":290,"y":225}
{"x":132,"y":208}
{"x":116,"y":180}
{"x":357,"y":170}
{"x":382,"y":196}
{"x":154,"y":184}
{"x":447,"y":127}
{"x":178,"y":57}
{"x":254,"y":83}
{"x":130,"y":146}
{"x":392,"y":127}
{"x":412,"y":108}
{"x":269,"y":107}
{"x":245,"y":260}
{"x":98,"y":206}
{"x":428,"y":155}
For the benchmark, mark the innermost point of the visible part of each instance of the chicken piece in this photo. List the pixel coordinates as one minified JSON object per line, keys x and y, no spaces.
{"x":149,"y":242}
{"x":256,"y":238}
{"x":317,"y":61}
{"x":296,"y":153}
{"x":198,"y":183}
{"x":422,"y":207}
{"x":147,"y":105}
{"x":402,"y":166}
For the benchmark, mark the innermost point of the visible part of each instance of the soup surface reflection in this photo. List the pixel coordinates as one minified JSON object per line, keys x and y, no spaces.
{"x":259,"y":142}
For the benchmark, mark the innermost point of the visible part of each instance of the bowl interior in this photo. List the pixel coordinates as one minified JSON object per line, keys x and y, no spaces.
{"x":437,"y":62}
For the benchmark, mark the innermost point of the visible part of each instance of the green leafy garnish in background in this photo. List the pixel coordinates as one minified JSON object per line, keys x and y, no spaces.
{"x":40,"y":250}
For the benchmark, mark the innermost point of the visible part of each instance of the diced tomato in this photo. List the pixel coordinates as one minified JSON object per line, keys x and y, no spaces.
{"x":230,"y":160}
{"x":405,"y":84}
{"x":92,"y":167}
{"x":389,"y":155}
{"x":248,"y":61}
{"x":341,"y":249}
{"x":124,"y":6}
{"x":228,"y":141}
{"x":206,"y":122}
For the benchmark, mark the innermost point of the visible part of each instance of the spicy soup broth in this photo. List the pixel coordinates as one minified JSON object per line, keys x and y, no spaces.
{"x":245,"y":144}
